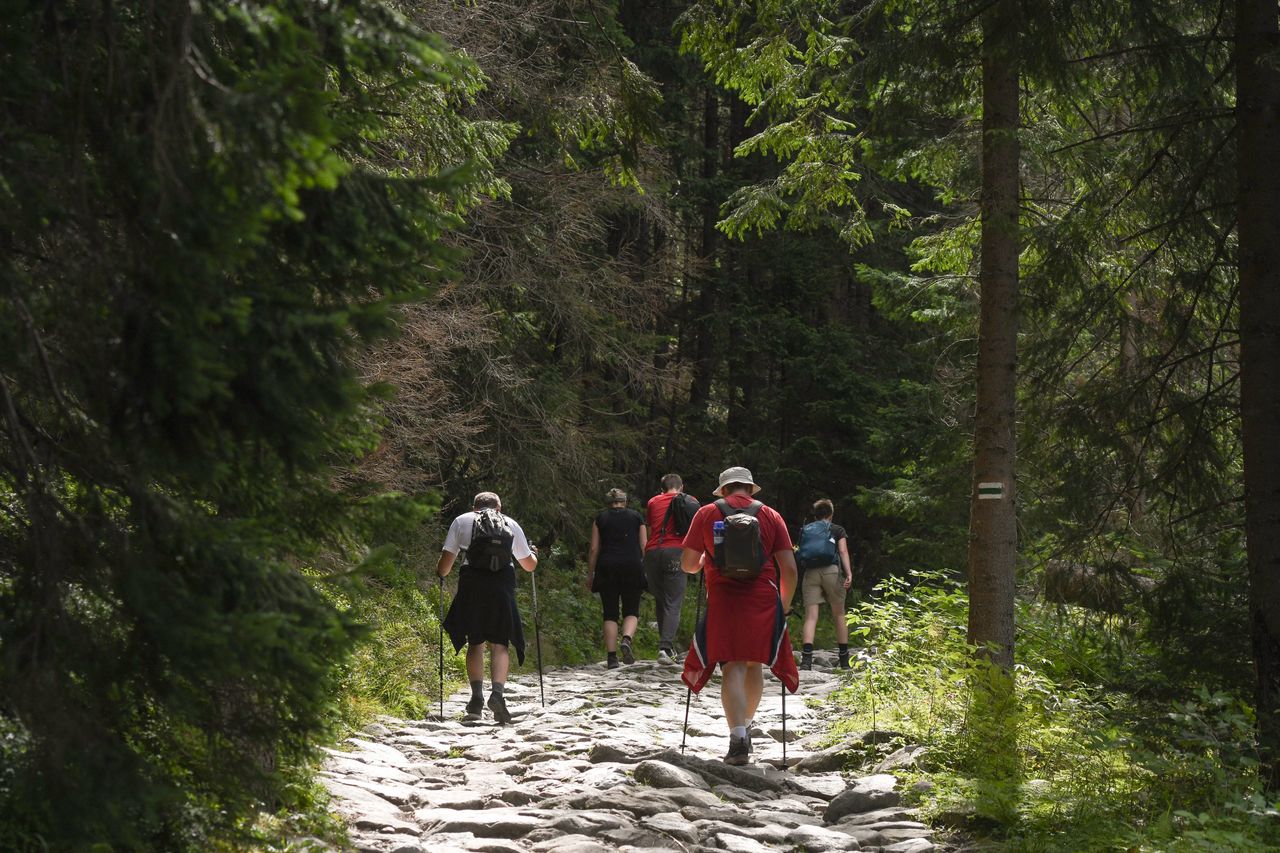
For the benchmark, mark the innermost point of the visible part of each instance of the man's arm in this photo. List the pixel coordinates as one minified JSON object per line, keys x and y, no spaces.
{"x":846,"y":563}
{"x":446,"y":563}
{"x":520,"y":542}
{"x":786,"y":563}
{"x":690,"y":561}
{"x":644,"y":536}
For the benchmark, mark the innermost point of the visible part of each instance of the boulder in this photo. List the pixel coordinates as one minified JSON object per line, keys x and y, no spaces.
{"x":867,"y":793}
{"x":907,"y":756}
{"x":659,"y":774}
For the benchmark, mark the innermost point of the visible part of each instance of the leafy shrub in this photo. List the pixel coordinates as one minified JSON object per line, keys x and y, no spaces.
{"x":1048,"y":760}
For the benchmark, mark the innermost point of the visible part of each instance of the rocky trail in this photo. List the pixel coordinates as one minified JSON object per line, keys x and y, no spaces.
{"x":600,"y":769}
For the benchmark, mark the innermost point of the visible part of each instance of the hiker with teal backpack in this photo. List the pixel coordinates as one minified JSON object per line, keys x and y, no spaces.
{"x":827,"y":573}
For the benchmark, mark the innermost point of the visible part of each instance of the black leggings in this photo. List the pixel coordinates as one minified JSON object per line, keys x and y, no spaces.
{"x":611,"y":593}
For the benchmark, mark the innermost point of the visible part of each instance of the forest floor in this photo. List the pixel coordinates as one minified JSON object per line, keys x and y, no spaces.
{"x":600,"y":769}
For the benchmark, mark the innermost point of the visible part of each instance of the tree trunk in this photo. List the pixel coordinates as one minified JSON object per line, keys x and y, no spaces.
{"x":705,"y":363}
{"x":992,"y":525}
{"x":1258,"y":108}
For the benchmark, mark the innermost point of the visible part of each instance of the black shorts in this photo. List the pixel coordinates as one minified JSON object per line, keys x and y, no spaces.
{"x":617,"y":600}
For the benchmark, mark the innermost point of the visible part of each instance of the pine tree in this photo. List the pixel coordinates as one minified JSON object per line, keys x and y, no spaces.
{"x":205,"y":211}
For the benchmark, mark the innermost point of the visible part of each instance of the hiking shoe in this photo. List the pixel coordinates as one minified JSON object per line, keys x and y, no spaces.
{"x":628,"y":656}
{"x":665,"y":656}
{"x":739,"y":751}
{"x":806,"y":662}
{"x":475,"y":707}
{"x":843,"y":663}
{"x":498,"y":706}
{"x":612,"y":663}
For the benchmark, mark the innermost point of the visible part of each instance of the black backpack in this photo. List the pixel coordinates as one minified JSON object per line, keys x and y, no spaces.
{"x":680,"y":513}
{"x":491,"y":539}
{"x":740,"y":555}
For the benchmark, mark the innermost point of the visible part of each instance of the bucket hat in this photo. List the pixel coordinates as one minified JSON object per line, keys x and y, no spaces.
{"x":735,"y":475}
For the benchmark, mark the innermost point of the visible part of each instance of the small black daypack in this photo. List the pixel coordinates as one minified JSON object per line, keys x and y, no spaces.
{"x":680,"y":513}
{"x":741,"y":555}
{"x":491,"y":540}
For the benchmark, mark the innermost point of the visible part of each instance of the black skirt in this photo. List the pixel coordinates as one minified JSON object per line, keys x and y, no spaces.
{"x":484,"y":610}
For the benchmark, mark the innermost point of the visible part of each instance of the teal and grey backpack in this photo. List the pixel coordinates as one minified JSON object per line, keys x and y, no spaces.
{"x":817,"y":546}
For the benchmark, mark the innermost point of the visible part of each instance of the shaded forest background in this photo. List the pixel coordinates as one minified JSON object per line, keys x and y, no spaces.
{"x":286,"y":284}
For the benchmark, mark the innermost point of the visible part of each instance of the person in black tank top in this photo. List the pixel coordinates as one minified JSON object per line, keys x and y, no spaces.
{"x":615,"y":567}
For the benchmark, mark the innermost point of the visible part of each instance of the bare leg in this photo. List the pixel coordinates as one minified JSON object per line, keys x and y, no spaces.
{"x":475,"y":662}
{"x":629,"y":624}
{"x":811,"y":622}
{"x":733,"y":692}
{"x":754,"y":685}
{"x":610,"y":636}
{"x":499,"y":663}
{"x":842,"y":627}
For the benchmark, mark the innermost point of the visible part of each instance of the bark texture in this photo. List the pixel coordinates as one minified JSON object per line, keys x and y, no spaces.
{"x":1258,"y":106}
{"x":992,"y":523}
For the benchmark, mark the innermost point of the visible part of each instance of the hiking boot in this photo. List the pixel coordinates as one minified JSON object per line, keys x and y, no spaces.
{"x":806,"y":660}
{"x":665,"y":656}
{"x":612,"y":663}
{"x":475,"y":708}
{"x":498,"y":706}
{"x":739,"y":751}
{"x":628,"y":656}
{"x":843,"y":663}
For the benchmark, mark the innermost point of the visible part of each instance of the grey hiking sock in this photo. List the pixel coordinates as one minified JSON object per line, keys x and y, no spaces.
{"x":477,"y":689}
{"x":497,"y":688}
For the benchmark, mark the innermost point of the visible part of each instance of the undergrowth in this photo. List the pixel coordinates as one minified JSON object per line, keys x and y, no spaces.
{"x":1055,"y":760}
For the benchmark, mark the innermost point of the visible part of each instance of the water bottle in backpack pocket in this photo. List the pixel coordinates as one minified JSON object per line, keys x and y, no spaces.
{"x":740,"y":553}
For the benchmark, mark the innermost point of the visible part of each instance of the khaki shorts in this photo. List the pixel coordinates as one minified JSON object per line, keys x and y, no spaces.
{"x":824,"y":584}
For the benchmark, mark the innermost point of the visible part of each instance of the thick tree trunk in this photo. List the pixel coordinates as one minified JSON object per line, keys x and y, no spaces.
{"x":992,"y":525}
{"x":1258,"y":106}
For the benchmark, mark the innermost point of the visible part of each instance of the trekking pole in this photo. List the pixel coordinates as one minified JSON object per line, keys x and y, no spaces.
{"x":537,"y":636}
{"x":688,"y":691}
{"x":784,"y":723}
{"x":441,"y":579}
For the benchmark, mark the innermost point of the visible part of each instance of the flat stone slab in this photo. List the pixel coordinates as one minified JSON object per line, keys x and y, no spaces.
{"x":482,"y":823}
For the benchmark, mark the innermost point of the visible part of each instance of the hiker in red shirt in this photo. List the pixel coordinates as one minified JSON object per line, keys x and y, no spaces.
{"x":668,"y":516}
{"x":745,"y":626}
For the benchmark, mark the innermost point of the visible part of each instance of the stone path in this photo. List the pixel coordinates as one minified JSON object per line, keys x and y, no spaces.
{"x":600,"y":769}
